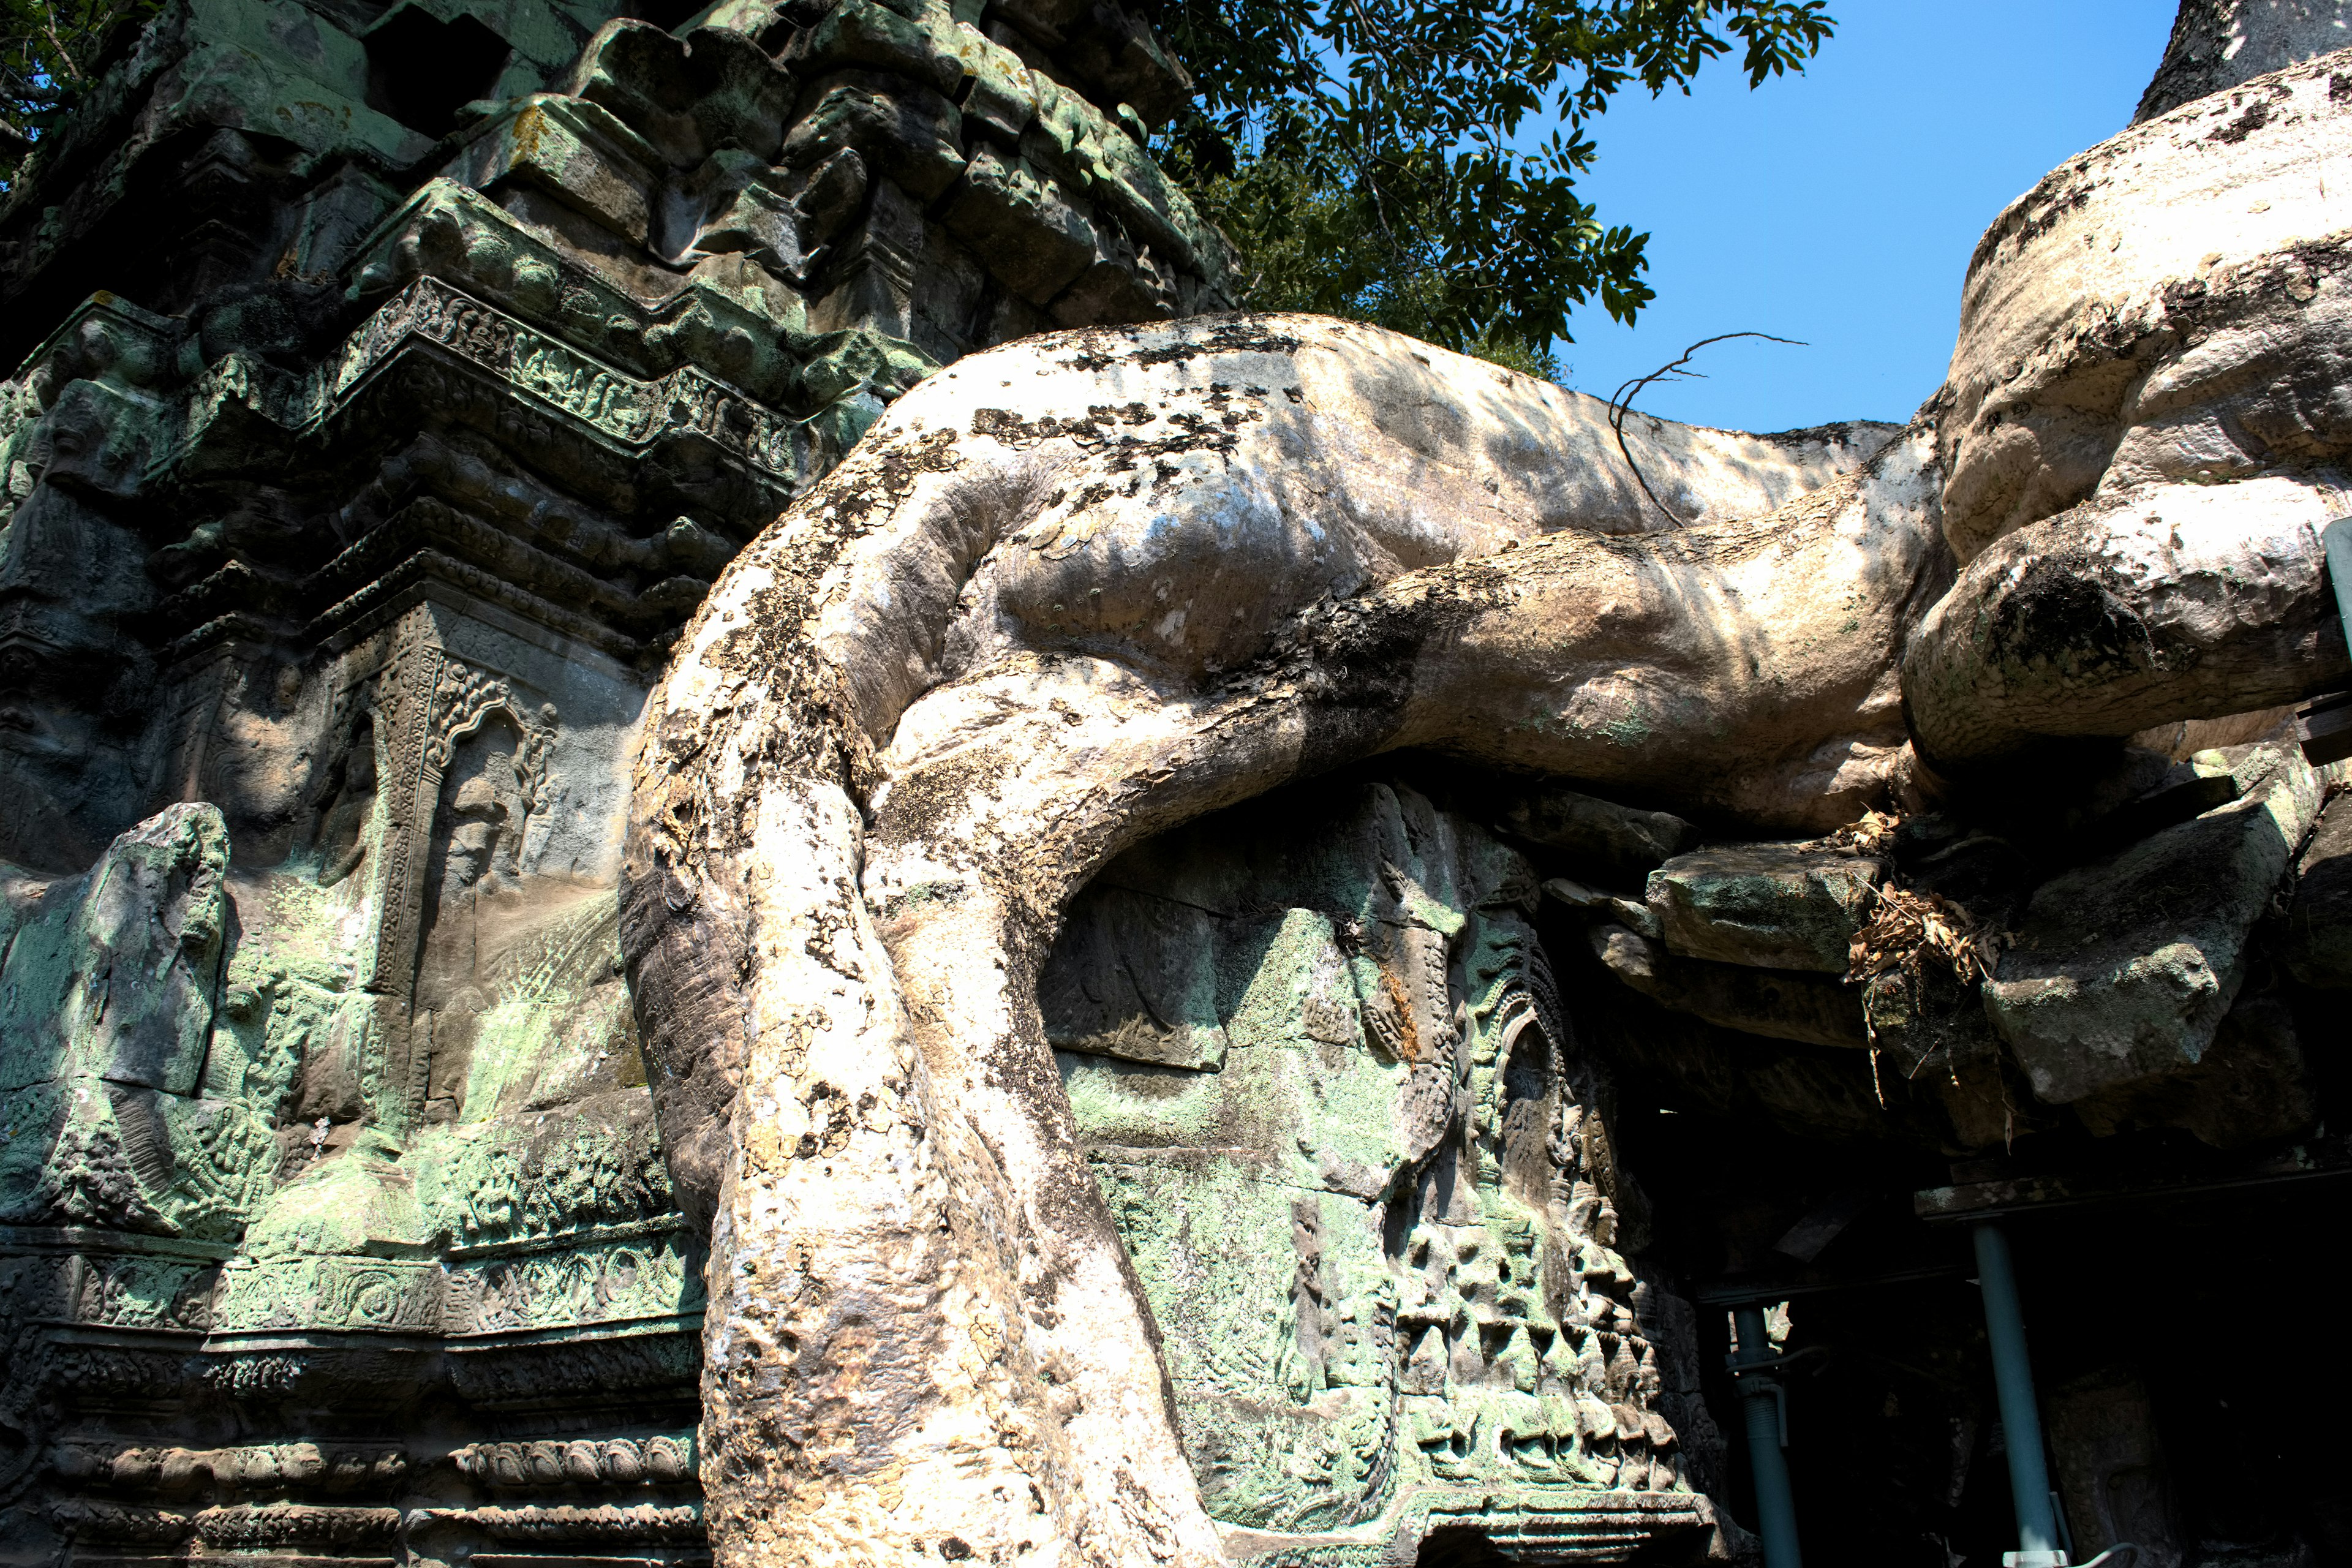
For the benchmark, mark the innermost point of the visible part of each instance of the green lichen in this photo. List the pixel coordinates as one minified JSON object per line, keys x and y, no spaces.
{"x":1331,"y":1362}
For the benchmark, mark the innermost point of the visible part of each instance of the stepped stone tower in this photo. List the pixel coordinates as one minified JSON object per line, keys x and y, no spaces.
{"x":392,"y":382}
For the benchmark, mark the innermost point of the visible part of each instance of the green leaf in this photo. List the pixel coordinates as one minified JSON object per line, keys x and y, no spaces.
{"x":1367,"y":159}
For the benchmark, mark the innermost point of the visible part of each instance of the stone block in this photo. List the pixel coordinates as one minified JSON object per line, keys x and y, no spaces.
{"x":1033,"y":238}
{"x":1771,"y":905}
{"x":860,"y":33}
{"x":2111,"y":1469}
{"x":1812,"y":1096}
{"x":1614,"y":843}
{"x":116,"y":975}
{"x":900,"y":129}
{"x":1133,"y":186}
{"x":2253,"y":1086}
{"x":870,"y":278}
{"x":1595,"y":903}
{"x":746,"y":209}
{"x":2124,"y":969}
{"x":830,"y":193}
{"x":639,"y":71}
{"x":1047,"y":21}
{"x":1119,"y":50}
{"x":1114,"y":289}
{"x":742,"y":97}
{"x":1137,"y":981}
{"x":2318,"y":947}
{"x":948,"y":285}
{"x":577,"y":152}
{"x":1001,"y":98}
{"x":1780,"y":1006}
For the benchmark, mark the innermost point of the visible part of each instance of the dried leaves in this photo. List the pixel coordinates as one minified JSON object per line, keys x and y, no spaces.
{"x":1873,"y":835}
{"x":1905,"y":925}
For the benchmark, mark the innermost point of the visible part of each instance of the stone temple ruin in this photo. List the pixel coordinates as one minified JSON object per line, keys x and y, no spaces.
{"x":727,"y":839}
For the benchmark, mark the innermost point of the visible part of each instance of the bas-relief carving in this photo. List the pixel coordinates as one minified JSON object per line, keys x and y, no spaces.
{"x":432,"y":1128}
{"x":1378,"y":1221}
{"x":362,"y":505}
{"x":118,"y":1114}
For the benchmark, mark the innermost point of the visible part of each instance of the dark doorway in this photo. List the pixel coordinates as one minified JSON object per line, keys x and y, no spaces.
{"x":422,"y":70}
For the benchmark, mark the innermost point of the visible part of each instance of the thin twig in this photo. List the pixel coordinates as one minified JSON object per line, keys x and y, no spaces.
{"x":1621,"y":403}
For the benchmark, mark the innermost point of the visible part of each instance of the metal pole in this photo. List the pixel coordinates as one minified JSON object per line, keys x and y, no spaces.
{"x":1759,"y":1400}
{"x":2335,"y":539}
{"x":2021,"y":1421}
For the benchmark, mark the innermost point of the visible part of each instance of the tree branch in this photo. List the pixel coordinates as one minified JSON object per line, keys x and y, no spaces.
{"x":1621,"y":403}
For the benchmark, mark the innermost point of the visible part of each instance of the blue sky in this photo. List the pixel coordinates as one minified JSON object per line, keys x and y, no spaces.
{"x":1841,"y":206}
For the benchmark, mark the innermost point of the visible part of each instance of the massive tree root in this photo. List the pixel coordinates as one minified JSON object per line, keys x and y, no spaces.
{"x":2177,"y":602}
{"x":1072,"y":592}
{"x":2144,"y":424}
{"x":991,"y":651}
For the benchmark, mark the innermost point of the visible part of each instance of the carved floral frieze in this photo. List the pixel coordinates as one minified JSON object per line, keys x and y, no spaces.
{"x":371,"y":1294}
{"x":648,"y":1276}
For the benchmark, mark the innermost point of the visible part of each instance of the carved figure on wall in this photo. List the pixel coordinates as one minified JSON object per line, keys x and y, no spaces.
{"x":1318,"y":1065}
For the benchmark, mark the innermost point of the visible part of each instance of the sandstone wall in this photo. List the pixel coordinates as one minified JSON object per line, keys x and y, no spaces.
{"x":390,"y":383}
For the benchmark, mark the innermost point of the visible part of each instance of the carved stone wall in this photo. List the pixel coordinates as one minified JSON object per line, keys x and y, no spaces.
{"x":390,"y":381}
{"x":1330,"y":1088}
{"x":1120,"y":1172}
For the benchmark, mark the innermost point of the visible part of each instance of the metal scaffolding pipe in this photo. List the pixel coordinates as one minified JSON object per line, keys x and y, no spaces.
{"x":1765,"y":1419}
{"x":2021,"y":1419}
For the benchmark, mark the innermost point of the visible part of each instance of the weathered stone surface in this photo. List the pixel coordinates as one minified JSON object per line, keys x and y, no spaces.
{"x":446,"y":356}
{"x":1616,"y":844}
{"x":1596,"y":903}
{"x":1392,"y":1072}
{"x":1771,"y":905}
{"x":116,"y":974}
{"x":1136,"y":979}
{"x":119,"y":1113}
{"x":2251,"y":1086}
{"x":2123,"y":970}
{"x":2111,"y":1469}
{"x":2318,"y":945}
{"x":1777,"y":1005}
{"x":445,"y":366}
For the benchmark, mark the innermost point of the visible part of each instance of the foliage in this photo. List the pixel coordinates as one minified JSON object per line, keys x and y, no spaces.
{"x":1366,"y":156}
{"x":49,"y":49}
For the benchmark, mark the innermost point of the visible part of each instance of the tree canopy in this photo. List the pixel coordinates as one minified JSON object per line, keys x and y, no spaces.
{"x":46,"y":48}
{"x":1414,"y":163}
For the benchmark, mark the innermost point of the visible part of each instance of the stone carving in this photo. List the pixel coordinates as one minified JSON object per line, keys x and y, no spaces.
{"x":345,"y":527}
{"x":646,"y":1277}
{"x":1036,"y":1149}
{"x":607,"y":1524}
{"x":107,"y":987}
{"x":663,"y":1460}
{"x":1378,"y":1233}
